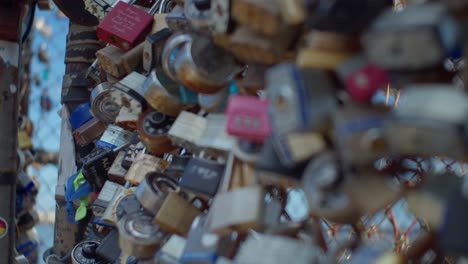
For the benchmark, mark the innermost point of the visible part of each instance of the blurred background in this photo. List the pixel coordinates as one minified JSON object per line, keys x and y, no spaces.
{"x":48,"y":40}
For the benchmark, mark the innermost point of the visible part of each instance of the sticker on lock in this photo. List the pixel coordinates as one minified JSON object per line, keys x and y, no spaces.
{"x":3,"y":227}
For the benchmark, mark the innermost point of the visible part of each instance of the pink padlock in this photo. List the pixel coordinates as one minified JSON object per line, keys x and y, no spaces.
{"x":247,"y":118}
{"x":362,"y":79}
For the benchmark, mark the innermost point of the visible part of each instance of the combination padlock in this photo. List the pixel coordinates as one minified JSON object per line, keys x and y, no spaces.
{"x":153,"y":128}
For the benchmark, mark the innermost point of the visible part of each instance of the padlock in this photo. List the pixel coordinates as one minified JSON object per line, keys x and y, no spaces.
{"x":360,"y":130}
{"x":238,"y":174}
{"x":109,"y":248}
{"x":127,"y":93}
{"x":260,"y":16}
{"x":176,"y":19}
{"x":114,"y":137}
{"x":128,"y":204}
{"x":117,"y":172}
{"x":228,"y":210}
{"x":143,"y":164}
{"x":109,"y":215}
{"x":177,"y":166}
{"x":263,"y":249}
{"x":135,"y":147}
{"x":411,"y":39}
{"x":99,"y":8}
{"x":271,"y":170}
{"x":202,"y":177}
{"x":190,"y":66}
{"x":107,"y":193}
{"x":85,"y":252}
{"x":199,"y":14}
{"x":214,"y":141}
{"x":299,"y":99}
{"x":248,"y":118}
{"x":88,"y":132}
{"x":205,"y":247}
{"x":429,"y":121}
{"x":221,"y":16}
{"x":139,"y":237}
{"x":80,"y":115}
{"x":96,"y":164}
{"x":159,"y":18}
{"x":153,"y":47}
{"x":332,"y":41}
{"x":172,"y":250}
{"x":153,"y":190}
{"x":102,"y":106}
{"x":295,"y":148}
{"x":350,"y":200}
{"x":343,"y":16}
{"x":249,"y":47}
{"x":165,"y":99}
{"x":176,"y":214}
{"x":126,"y":25}
{"x":187,"y":130}
{"x":153,"y":128}
{"x":127,"y":119}
{"x":361,"y":78}
{"x":119,"y":63}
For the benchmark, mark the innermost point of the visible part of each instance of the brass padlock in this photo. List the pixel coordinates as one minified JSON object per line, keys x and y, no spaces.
{"x":143,"y":164}
{"x":117,"y":62}
{"x":176,"y":214}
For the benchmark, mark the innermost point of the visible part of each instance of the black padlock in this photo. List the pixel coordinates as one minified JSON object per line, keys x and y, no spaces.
{"x":202,"y":177}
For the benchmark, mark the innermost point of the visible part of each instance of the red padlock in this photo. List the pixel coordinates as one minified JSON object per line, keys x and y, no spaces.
{"x":247,"y":118}
{"x":125,"y":26}
{"x":362,"y":80}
